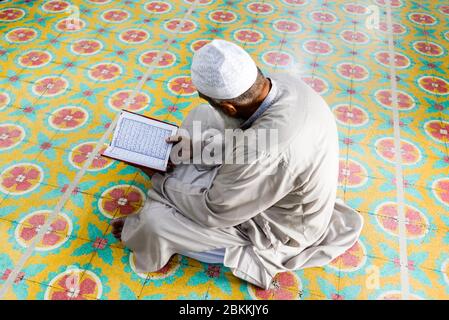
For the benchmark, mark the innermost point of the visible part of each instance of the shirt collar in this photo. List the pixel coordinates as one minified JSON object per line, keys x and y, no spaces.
{"x":266,"y":103}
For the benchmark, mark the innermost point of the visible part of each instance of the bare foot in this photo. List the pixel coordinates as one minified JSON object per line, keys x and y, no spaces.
{"x":117,"y":227}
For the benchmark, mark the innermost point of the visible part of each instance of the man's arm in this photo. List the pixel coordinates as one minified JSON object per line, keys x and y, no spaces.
{"x":238,"y":192}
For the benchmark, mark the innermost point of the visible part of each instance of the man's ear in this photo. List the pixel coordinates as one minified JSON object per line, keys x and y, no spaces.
{"x":229,"y":109}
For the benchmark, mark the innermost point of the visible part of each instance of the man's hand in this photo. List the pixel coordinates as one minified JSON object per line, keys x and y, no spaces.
{"x":182,"y":149}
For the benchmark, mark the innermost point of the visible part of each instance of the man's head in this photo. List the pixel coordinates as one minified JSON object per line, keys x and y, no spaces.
{"x":227,"y":77}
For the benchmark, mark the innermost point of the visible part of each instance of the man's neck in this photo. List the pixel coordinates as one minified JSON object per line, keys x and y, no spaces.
{"x":248,"y":112}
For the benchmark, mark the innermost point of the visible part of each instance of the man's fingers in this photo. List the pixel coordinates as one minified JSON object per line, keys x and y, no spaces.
{"x":173,"y":139}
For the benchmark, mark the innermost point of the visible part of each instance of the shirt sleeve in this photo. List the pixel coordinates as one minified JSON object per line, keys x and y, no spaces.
{"x":238,"y":193}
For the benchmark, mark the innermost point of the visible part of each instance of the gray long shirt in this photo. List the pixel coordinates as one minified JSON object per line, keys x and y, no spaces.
{"x":285,"y":200}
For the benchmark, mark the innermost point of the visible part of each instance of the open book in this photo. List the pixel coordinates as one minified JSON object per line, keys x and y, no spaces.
{"x":140,"y":140}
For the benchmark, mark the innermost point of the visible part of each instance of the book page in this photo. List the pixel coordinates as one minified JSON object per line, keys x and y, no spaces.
{"x":141,"y":140}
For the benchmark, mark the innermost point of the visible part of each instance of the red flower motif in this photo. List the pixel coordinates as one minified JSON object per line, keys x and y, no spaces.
{"x":353,"y":71}
{"x":125,"y":203}
{"x":350,"y":115}
{"x":438,"y":130}
{"x":34,"y":58}
{"x":428,"y":48}
{"x":165,"y":60}
{"x":21,"y":35}
{"x":434,"y":85}
{"x":186,"y":27}
{"x":116,"y":15}
{"x":68,"y":118}
{"x":182,"y":85}
{"x":157,"y":7}
{"x":51,"y":237}
{"x":11,"y":14}
{"x":21,"y":178}
{"x":415,"y":222}
{"x":410,"y":154}
{"x":287,"y":26}
{"x":122,"y":98}
{"x":397,"y":28}
{"x":70,"y":24}
{"x":351,"y":172}
{"x":134,"y":35}
{"x":55,"y":6}
{"x":284,"y":286}
{"x":354,"y":36}
{"x":9,"y":135}
{"x":50,"y":85}
{"x":223,"y":16}
{"x":259,"y":7}
{"x":83,"y":152}
{"x":324,"y":17}
{"x":105,"y":71}
{"x":74,"y":290}
{"x":422,"y":18}
{"x":248,"y":36}
{"x":277,"y":58}
{"x":86,"y":46}
{"x":318,"y":47}
{"x":385,"y":97}
{"x":355,"y":8}
{"x":400,"y":61}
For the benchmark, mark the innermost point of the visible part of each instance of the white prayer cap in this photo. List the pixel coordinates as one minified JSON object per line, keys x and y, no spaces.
{"x":222,"y":70}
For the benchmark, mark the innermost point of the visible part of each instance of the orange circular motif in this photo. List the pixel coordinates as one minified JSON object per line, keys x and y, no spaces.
{"x":437,"y":130}
{"x":81,"y":153}
{"x":74,"y":284}
{"x":11,"y":14}
{"x":386,"y":149}
{"x":68,"y":118}
{"x":20,"y":178}
{"x":58,"y":232}
{"x":10,"y":135}
{"x":122,"y":100}
{"x":284,"y":286}
{"x":387,"y":217}
{"x":21,"y":35}
{"x":181,"y":85}
{"x":440,"y":189}
{"x":434,"y":85}
{"x":55,"y":6}
{"x":121,"y":200}
{"x":353,"y":259}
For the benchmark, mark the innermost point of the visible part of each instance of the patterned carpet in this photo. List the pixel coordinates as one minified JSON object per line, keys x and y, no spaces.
{"x":61,"y":85}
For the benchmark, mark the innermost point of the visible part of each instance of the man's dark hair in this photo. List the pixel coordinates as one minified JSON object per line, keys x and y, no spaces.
{"x":249,"y":95}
